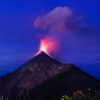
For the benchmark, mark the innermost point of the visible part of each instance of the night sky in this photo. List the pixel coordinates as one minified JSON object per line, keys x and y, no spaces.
{"x":19,"y":37}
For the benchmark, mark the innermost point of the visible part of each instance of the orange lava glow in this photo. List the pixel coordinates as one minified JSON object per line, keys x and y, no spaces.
{"x":44,"y":46}
{"x":47,"y":45}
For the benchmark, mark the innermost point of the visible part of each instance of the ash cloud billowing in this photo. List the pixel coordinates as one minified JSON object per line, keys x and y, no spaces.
{"x":61,"y":25}
{"x":59,"y":20}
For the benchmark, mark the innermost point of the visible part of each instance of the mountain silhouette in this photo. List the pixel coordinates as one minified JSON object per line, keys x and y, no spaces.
{"x":45,"y":76}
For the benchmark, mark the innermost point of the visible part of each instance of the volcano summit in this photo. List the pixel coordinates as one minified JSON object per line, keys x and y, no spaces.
{"x":45,"y":76}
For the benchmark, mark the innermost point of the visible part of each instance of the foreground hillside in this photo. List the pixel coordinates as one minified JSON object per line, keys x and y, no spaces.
{"x":66,"y":82}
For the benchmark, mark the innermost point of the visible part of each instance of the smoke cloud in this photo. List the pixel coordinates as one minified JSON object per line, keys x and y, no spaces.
{"x":61,"y":25}
{"x":61,"y":19}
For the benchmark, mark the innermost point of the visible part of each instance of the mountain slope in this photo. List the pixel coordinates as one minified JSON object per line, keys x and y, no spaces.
{"x":35,"y":71}
{"x":66,"y":82}
{"x":46,"y":77}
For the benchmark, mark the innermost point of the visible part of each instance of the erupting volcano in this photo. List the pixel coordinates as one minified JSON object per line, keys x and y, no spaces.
{"x":45,"y":77}
{"x":30,"y":74}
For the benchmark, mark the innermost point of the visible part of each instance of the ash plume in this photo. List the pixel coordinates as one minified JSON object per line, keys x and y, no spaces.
{"x":64,"y":27}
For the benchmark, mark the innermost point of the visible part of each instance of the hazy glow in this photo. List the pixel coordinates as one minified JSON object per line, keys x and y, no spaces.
{"x":44,"y":46}
{"x":48,"y":45}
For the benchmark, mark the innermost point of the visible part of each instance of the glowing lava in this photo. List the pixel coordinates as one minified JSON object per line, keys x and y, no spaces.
{"x":47,"y":45}
{"x":44,"y":46}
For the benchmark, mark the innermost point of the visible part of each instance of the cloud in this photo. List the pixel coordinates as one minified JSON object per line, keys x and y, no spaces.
{"x":54,"y":20}
{"x":61,"y":19}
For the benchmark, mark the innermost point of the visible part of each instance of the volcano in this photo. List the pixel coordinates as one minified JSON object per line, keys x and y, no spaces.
{"x":35,"y":71}
{"x":44,"y":75}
